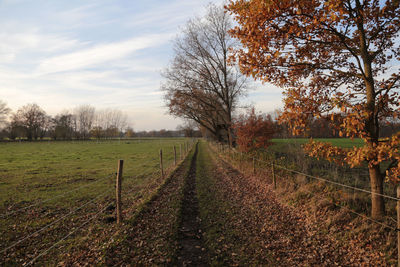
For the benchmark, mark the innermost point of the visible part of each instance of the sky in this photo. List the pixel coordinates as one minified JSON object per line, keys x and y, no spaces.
{"x":109,"y":54}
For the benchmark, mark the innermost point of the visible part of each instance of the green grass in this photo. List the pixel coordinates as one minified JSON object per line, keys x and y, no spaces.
{"x":34,"y":171}
{"x":341,"y":142}
{"x":69,"y":174}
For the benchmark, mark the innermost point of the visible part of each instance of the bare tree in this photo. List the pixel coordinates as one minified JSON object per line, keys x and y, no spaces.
{"x":62,"y":126}
{"x":4,"y":111}
{"x":33,"y":119}
{"x":110,"y":123}
{"x":188,"y":128}
{"x":85,"y":116}
{"x":200,"y":84}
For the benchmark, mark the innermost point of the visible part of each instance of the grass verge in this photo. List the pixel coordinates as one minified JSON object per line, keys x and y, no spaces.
{"x":228,"y":240}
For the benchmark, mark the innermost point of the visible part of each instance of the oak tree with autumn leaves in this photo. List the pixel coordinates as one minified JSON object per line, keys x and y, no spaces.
{"x":335,"y":59}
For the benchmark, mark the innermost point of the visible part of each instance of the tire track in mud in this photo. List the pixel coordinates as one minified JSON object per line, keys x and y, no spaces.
{"x":191,"y":246}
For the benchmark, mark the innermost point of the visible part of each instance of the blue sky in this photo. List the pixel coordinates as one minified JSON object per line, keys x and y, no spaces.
{"x":61,"y":54}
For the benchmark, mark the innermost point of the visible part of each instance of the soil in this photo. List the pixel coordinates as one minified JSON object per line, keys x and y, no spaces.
{"x":191,"y":247}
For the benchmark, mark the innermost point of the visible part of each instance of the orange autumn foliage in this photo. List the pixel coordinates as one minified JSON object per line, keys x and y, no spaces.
{"x":336,"y":59}
{"x":253,"y":131}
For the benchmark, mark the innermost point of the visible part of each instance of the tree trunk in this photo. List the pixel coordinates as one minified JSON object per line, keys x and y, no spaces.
{"x":377,"y":201}
{"x":230,"y":141}
{"x":371,"y":123}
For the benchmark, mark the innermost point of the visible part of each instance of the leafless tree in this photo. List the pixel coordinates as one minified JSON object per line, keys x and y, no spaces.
{"x":84,"y":116}
{"x":33,"y":119}
{"x":109,"y":123}
{"x":62,"y":126}
{"x":188,"y":128}
{"x":200,"y":84}
{"x":4,"y":111}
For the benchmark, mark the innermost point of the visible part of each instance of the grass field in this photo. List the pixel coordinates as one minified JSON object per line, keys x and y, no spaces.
{"x":341,"y":142}
{"x":40,"y":182}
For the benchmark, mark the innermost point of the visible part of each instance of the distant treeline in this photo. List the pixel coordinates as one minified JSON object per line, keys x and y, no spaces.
{"x":31,"y":122}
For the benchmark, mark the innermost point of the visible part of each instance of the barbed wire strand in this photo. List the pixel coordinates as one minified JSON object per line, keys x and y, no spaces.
{"x":339,"y":184}
{"x":328,"y":181}
{"x":55,"y":197}
{"x":338,"y":205}
{"x":54,"y":222}
{"x":348,"y":209}
{"x":69,"y":234}
{"x":135,"y":176}
{"x":70,"y":213}
{"x":60,"y":195}
{"x":157,"y":172}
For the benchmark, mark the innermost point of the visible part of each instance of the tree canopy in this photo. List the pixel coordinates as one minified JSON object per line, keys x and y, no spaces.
{"x":199,"y":84}
{"x":334,"y":59}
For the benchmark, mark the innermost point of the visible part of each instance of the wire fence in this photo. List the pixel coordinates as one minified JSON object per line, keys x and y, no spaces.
{"x":68,"y":235}
{"x":292,"y":176}
{"x":350,"y":210}
{"x":130,"y":186}
{"x":218,"y":148}
{"x":53,"y":223}
{"x":40,"y":202}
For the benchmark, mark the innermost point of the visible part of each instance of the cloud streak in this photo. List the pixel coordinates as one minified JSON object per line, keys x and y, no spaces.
{"x":64,"y":53}
{"x":99,"y":54}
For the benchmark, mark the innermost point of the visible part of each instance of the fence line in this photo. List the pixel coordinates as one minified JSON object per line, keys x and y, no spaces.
{"x":188,"y":146}
{"x":181,"y":158}
{"x":339,"y":184}
{"x":60,"y":195}
{"x":332,"y":182}
{"x":346,"y":208}
{"x":54,"y":222}
{"x":69,"y":234}
{"x":55,"y":197}
{"x":324,"y":180}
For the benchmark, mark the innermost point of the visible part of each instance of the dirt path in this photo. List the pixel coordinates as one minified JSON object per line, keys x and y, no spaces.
{"x":208,"y":213}
{"x":192,"y":251}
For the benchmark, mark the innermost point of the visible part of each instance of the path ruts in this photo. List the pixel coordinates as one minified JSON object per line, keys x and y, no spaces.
{"x":191,"y":248}
{"x":151,"y":238}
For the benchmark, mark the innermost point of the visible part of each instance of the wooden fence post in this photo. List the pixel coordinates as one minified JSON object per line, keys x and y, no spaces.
{"x":161,"y":164}
{"x":118,"y":191}
{"x":273,"y":175}
{"x":174,"y":155}
{"x":398,"y":226}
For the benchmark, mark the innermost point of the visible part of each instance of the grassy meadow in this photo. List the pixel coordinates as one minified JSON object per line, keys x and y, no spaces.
{"x":40,"y":182}
{"x":341,"y":142}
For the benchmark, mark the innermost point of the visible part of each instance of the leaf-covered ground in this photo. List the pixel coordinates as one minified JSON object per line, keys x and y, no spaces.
{"x":208,"y":213}
{"x":272,"y":232}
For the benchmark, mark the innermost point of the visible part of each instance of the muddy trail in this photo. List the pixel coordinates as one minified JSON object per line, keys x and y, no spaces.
{"x":191,"y":247}
{"x":209,"y":214}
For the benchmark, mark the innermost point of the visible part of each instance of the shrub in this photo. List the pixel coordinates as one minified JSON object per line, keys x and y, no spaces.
{"x":253,"y":131}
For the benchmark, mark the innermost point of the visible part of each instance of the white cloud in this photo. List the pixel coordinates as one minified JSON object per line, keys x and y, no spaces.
{"x":29,"y":43}
{"x":105,"y":53}
{"x":99,"y":54}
